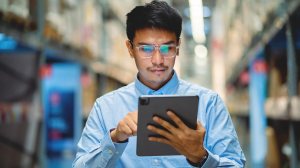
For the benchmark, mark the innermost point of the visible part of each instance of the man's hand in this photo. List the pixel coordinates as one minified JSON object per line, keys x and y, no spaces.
{"x":126,"y":128}
{"x":185,"y":140}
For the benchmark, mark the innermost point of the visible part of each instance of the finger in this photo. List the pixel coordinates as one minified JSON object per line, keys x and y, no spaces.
{"x":131,"y":121}
{"x":133,"y":116}
{"x":200,"y":128}
{"x":161,"y":132}
{"x":199,"y":125}
{"x":177,"y":120}
{"x":164,"y":124}
{"x":160,"y":140}
{"x":132,"y":125}
{"x":125,"y":129}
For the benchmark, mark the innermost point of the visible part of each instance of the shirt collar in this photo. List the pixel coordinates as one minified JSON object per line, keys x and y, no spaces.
{"x":169,"y":88}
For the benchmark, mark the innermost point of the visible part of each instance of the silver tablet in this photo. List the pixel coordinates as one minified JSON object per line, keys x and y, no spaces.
{"x":185,"y":107}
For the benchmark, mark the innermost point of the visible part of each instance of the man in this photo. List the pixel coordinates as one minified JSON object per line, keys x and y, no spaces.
{"x":108,"y":139}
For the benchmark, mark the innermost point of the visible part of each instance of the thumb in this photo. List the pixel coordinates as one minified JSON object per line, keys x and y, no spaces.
{"x":199,"y":125}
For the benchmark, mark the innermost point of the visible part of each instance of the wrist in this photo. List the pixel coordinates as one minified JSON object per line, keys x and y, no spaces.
{"x":198,"y":162}
{"x":114,"y":137}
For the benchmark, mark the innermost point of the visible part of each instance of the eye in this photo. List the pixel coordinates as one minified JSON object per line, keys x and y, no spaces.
{"x":147,"y":48}
{"x":164,"y":49}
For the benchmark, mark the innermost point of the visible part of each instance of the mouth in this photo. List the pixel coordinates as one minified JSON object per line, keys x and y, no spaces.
{"x":161,"y":69}
{"x":158,"y":71}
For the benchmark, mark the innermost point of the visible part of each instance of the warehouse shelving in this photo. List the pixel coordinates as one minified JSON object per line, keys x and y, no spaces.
{"x":281,"y":26}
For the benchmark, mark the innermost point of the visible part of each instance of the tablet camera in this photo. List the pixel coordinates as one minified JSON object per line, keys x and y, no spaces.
{"x":144,"y":100}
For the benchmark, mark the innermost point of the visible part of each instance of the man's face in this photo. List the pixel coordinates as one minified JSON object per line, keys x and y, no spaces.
{"x":154,"y":70}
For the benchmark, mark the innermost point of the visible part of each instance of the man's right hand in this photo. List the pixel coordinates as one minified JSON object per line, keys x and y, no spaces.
{"x":126,"y":128}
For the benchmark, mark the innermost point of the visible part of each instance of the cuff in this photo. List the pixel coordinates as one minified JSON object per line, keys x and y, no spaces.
{"x":200,"y":164}
{"x":119,"y":146}
{"x":211,"y":161}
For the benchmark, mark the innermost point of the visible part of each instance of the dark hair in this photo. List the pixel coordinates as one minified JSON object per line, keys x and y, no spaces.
{"x":156,"y":14}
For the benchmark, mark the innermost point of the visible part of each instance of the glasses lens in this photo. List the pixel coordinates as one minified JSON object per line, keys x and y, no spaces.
{"x":147,"y":49}
{"x":164,"y":49}
{"x":167,"y":50}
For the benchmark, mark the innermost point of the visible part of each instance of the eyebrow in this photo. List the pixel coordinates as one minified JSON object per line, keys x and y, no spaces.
{"x":168,"y":42}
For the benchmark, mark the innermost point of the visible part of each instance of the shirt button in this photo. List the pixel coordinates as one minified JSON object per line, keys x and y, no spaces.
{"x":155,"y":162}
{"x":110,"y":152}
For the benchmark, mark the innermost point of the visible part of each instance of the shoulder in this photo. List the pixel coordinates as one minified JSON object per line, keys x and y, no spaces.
{"x":207,"y":97}
{"x":192,"y":88}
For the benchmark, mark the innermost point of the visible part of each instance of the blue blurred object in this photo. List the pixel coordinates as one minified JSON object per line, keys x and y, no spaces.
{"x":7,"y":43}
{"x":62,"y":110}
{"x":258,"y":89}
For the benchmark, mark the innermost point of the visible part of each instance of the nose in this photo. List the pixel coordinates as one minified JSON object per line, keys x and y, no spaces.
{"x":157,"y":59}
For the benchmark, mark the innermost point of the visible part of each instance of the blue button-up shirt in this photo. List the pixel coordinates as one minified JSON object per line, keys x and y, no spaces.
{"x":96,"y":149}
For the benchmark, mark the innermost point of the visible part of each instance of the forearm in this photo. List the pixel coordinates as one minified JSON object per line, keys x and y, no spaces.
{"x":104,"y":154}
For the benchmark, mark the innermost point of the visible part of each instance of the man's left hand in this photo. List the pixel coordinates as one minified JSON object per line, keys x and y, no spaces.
{"x":186,"y":141}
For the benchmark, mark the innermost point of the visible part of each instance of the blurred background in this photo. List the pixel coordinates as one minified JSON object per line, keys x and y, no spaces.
{"x":58,"y":56}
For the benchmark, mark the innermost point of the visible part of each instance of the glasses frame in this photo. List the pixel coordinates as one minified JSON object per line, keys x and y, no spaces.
{"x":156,"y":47}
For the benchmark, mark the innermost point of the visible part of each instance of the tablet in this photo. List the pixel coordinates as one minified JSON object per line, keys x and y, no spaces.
{"x":185,"y":107}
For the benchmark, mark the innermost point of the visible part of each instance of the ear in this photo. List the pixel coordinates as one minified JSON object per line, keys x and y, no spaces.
{"x":129,"y":48}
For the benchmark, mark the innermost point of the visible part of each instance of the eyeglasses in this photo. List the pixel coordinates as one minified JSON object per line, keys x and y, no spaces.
{"x":165,"y":50}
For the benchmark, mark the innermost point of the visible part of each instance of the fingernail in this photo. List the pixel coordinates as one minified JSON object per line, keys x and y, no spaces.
{"x":149,"y":127}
